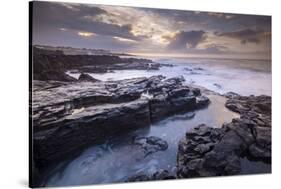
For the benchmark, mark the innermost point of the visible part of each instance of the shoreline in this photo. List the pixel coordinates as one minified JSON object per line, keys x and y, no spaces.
{"x":64,"y":112}
{"x":202,"y":91}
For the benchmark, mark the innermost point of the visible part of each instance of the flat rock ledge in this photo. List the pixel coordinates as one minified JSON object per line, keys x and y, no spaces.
{"x":206,"y":151}
{"x":68,"y":116}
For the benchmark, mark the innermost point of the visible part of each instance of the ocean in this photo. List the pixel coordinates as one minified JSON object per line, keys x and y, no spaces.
{"x":245,"y":77}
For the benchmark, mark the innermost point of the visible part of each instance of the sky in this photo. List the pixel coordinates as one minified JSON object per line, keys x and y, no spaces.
{"x":152,"y":31}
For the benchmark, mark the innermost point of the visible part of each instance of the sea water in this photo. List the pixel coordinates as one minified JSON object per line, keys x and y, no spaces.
{"x":245,"y":77}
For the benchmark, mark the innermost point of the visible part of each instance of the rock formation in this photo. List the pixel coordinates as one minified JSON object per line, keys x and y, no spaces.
{"x":69,"y":116}
{"x":206,"y":151}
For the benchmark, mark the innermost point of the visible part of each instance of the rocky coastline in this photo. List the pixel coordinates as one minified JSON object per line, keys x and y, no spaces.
{"x":70,"y":114}
{"x":52,"y":65}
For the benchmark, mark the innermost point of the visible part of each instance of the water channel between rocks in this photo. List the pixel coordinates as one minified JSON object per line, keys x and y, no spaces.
{"x":117,"y":159}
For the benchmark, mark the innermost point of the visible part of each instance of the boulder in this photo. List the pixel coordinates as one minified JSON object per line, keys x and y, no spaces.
{"x":202,"y":101}
{"x":150,"y":144}
{"x":87,"y":78}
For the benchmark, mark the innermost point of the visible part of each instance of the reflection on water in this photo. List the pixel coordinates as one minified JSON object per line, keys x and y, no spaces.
{"x":118,"y":159}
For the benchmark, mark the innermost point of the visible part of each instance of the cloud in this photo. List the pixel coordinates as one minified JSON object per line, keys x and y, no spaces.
{"x":186,"y":39}
{"x":125,"y":40}
{"x":77,"y":17}
{"x":131,"y":29}
{"x":245,"y":35}
{"x":86,"y":34}
{"x":221,"y":15}
{"x":215,"y":48}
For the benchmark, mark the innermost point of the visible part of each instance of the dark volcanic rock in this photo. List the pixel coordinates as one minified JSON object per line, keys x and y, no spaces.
{"x":206,"y":151}
{"x":250,"y":105}
{"x":192,"y":150}
{"x":231,"y":95}
{"x":202,"y":101}
{"x":92,"y":124}
{"x":87,"y":77}
{"x":68,"y":116}
{"x":158,"y":175}
{"x":150,"y":144}
{"x":171,"y":96}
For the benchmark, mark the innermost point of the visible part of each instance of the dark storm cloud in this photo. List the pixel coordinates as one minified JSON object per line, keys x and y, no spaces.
{"x":186,"y":39}
{"x":245,"y":36}
{"x":223,"y":22}
{"x":76,"y":17}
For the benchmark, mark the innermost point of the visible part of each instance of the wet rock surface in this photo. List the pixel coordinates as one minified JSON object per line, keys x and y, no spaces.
{"x":206,"y":151}
{"x":69,"y":116}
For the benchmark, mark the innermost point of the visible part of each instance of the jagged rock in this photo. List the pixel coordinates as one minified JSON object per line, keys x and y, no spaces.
{"x":158,"y":175}
{"x":202,"y":101}
{"x":87,"y":77}
{"x":252,"y":104}
{"x":150,"y":144}
{"x":231,"y":94}
{"x":193,"y":148}
{"x":206,"y":151}
{"x":196,"y":91}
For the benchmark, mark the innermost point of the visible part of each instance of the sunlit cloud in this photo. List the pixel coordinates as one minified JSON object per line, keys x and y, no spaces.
{"x":86,"y":34}
{"x":71,"y":6}
{"x":221,"y":15}
{"x":125,"y":40}
{"x":62,"y":29}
